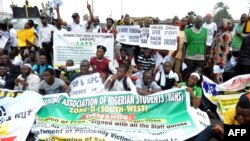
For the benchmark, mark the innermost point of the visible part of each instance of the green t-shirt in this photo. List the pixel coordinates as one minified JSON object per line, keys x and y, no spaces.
{"x":196,"y":42}
{"x":237,"y":40}
{"x":197,"y":90}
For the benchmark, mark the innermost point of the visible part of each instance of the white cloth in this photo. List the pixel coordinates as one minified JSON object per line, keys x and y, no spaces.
{"x":17,"y":61}
{"x":33,"y":83}
{"x":14,"y":37}
{"x":211,"y":28}
{"x":45,"y":33}
{"x":96,"y":29}
{"x":118,"y":85}
{"x":78,"y":27}
{"x":162,"y":76}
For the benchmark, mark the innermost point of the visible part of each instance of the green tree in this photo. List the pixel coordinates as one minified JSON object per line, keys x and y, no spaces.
{"x":220,"y":12}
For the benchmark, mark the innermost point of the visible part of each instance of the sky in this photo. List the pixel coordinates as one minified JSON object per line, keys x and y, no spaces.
{"x":138,"y":8}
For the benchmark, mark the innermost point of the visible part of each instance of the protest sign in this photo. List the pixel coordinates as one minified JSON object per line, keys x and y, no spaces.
{"x":225,"y":95}
{"x":119,"y":116}
{"x":91,"y":83}
{"x":163,"y":37}
{"x":128,"y":34}
{"x":23,"y":35}
{"x":17,"y":117}
{"x":144,"y":37}
{"x":3,"y":39}
{"x":80,"y":46}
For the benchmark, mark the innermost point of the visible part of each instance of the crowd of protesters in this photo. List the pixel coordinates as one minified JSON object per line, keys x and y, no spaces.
{"x":204,"y":47}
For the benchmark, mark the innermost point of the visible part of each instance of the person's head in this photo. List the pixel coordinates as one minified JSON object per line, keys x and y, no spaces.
{"x":242,"y":113}
{"x":123,"y":53}
{"x":42,"y":60}
{"x":243,"y":18}
{"x":13,"y":54}
{"x":100,"y":51}
{"x":225,"y":24}
{"x":49,"y":75}
{"x":58,"y":24}
{"x":84,"y":67}
{"x":147,"y":23}
{"x":175,"y":21}
{"x":3,"y":70}
{"x":10,"y":26}
{"x":44,"y":19}
{"x":96,"y":21}
{"x":167,"y":67}
{"x":26,"y":2}
{"x":127,"y":19}
{"x":156,"y":20}
{"x":26,"y":69}
{"x":184,"y":22}
{"x":69,"y":62}
{"x":140,"y":22}
{"x":76,"y":18}
{"x":198,"y":22}
{"x":208,"y":18}
{"x":147,"y":52}
{"x":51,"y":9}
{"x":122,"y":72}
{"x":109,"y":23}
{"x":193,"y":79}
{"x":147,"y":77}
{"x":163,"y":52}
{"x":32,"y":55}
{"x":5,"y":59}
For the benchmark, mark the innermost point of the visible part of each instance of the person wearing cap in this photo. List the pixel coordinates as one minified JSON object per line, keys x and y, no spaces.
{"x":27,"y":80}
{"x":101,"y":64}
{"x":46,"y":33}
{"x":194,"y":90}
{"x":109,"y":27}
{"x":240,"y":115}
{"x":76,"y":26}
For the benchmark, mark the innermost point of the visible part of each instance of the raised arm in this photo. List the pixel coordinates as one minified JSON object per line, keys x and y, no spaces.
{"x":90,"y":13}
{"x":59,"y":17}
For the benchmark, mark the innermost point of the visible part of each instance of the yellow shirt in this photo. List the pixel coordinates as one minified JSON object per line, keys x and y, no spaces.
{"x":229,"y":117}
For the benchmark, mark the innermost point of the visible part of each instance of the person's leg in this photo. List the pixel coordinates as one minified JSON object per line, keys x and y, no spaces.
{"x":206,"y":134}
{"x":177,"y":68}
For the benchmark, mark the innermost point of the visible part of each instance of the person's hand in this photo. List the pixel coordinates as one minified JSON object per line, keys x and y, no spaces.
{"x":219,"y":129}
{"x":62,"y":68}
{"x":114,"y":77}
{"x":88,"y":6}
{"x":189,"y":89}
{"x":102,"y":75}
{"x":23,"y":82}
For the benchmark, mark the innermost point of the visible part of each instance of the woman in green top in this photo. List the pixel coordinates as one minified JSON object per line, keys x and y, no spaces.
{"x":194,"y":90}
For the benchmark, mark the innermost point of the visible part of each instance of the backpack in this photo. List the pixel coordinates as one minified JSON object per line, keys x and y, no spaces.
{"x":124,"y":82}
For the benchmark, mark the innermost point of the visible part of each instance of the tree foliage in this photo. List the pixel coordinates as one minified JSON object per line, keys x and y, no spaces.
{"x":190,"y":16}
{"x":221,"y":11}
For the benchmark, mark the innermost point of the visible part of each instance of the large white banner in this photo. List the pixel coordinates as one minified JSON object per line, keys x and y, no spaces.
{"x":128,"y":34}
{"x":80,"y":46}
{"x":163,"y":37}
{"x":17,"y":115}
{"x":86,"y":84}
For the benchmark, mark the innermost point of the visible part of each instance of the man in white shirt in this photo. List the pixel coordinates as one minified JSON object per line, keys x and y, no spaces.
{"x":120,"y":81}
{"x":211,"y":31}
{"x":96,"y":26}
{"x":27,"y":80}
{"x":46,"y":34}
{"x":76,"y":26}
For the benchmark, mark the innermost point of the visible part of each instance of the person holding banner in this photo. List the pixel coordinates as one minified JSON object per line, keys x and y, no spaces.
{"x":120,"y":81}
{"x":146,"y":85}
{"x":84,"y":70}
{"x":240,"y":115}
{"x":194,"y":90}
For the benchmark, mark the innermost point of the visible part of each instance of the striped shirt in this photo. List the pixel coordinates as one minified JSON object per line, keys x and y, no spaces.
{"x":146,"y":63}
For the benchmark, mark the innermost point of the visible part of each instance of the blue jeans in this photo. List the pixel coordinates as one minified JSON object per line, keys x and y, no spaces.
{"x":207,"y":134}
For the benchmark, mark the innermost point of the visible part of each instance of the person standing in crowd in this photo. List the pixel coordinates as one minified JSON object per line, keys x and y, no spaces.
{"x":120,"y":81}
{"x":179,"y":52}
{"x":195,"y":45}
{"x":46,"y":33}
{"x":27,"y":80}
{"x":146,"y":85}
{"x":7,"y":80}
{"x":194,"y":90}
{"x":211,"y":32}
{"x":76,"y":26}
{"x":220,"y":49}
{"x":109,"y":27}
{"x":14,"y":70}
{"x":52,"y":85}
{"x":96,"y":27}
{"x":239,"y":35}
{"x":166,"y":78}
